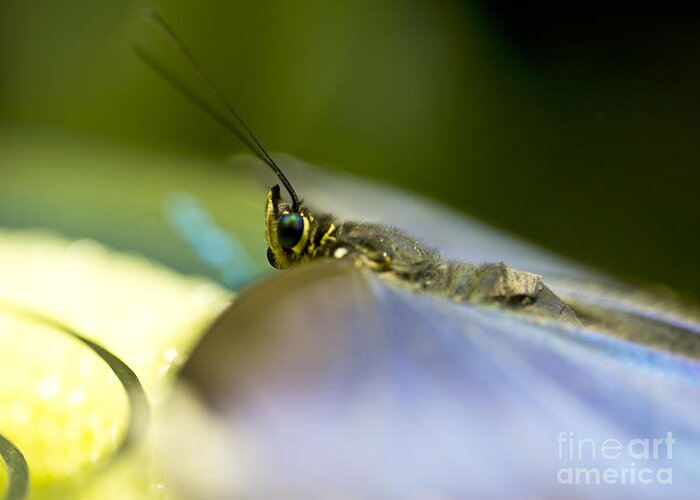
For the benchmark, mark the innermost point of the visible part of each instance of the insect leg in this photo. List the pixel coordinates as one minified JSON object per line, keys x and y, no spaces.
{"x":498,"y":283}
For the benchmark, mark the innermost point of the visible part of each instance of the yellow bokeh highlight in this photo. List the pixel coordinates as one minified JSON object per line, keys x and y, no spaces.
{"x":60,"y":403}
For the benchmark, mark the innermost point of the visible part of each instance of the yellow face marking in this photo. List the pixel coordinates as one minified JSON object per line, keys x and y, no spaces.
{"x":327,"y":236}
{"x":271,"y":232}
{"x":271,"y":216}
{"x":299,"y":247}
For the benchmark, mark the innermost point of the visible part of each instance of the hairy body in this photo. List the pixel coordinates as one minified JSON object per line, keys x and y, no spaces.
{"x":295,"y":235}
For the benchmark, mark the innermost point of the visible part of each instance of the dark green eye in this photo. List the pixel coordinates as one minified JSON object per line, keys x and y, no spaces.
{"x":290,"y":230}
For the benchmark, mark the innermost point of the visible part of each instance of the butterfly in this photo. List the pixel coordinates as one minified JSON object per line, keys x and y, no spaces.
{"x":372,"y":367}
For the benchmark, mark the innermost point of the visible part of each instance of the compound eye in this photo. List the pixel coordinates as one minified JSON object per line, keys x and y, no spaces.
{"x":290,"y":230}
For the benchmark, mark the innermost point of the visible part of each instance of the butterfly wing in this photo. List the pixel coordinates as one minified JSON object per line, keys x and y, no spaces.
{"x":339,"y":383}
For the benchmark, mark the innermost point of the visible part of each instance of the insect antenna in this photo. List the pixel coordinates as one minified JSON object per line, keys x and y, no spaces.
{"x":247,"y":136}
{"x":178,"y":84}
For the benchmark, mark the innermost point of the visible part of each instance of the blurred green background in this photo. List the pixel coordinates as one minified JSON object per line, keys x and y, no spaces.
{"x":575,"y":126}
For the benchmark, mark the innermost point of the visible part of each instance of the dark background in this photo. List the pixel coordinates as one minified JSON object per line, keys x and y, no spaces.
{"x":573,"y":124}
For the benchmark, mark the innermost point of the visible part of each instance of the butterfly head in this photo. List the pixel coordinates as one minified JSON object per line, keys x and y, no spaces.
{"x":289,"y":230}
